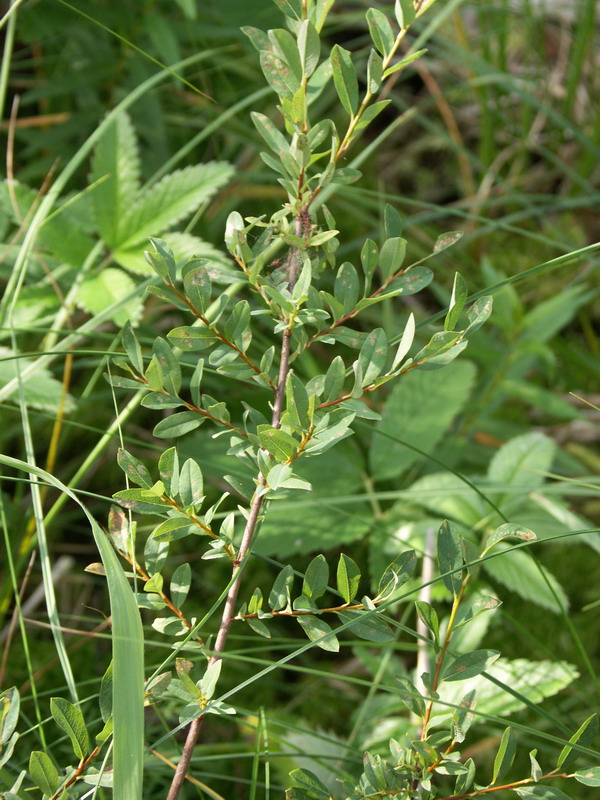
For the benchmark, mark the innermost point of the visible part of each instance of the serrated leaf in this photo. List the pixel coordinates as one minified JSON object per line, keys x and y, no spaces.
{"x":520,"y":573}
{"x":521,"y":463}
{"x":348,"y":578}
{"x":180,"y":584}
{"x":43,"y":772}
{"x":170,"y":200}
{"x":344,"y":78}
{"x":316,"y":578}
{"x":98,"y":292}
{"x":116,"y":167}
{"x":316,"y":628}
{"x":470,"y":665}
{"x":68,"y":717}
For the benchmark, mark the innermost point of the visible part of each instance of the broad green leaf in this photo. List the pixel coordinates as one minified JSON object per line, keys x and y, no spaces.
{"x":541,"y":792}
{"x":505,"y":755}
{"x":168,"y":366}
{"x":450,"y":556}
{"x":134,"y":469}
{"x":589,"y":776}
{"x":411,"y":697}
{"x":316,"y":628}
{"x":584,"y":736}
{"x":208,"y":683}
{"x":520,"y":464}
{"x":191,"y":483}
{"x":197,"y":283}
{"x":334,"y":380}
{"x":316,"y":578}
{"x":344,"y":78}
{"x":309,"y":47}
{"x":180,"y":584}
{"x":373,"y":355}
{"x":98,"y":292}
{"x":305,"y":779}
{"x":280,"y":595}
{"x":170,"y":200}
{"x":192,"y":338}
{"x":278,"y":75}
{"x":380,"y":30}
{"x":346,"y":286}
{"x":374,"y":71}
{"x":429,"y":618}
{"x":348,"y":578}
{"x":40,"y":390}
{"x":172,"y":529}
{"x":404,"y":11}
{"x":418,"y":413}
{"x":168,"y":467}
{"x":368,"y":626}
{"x":68,"y":717}
{"x":270,"y":133}
{"x":391,"y":257}
{"x":478,"y":313}
{"x":520,"y":573}
{"x":291,"y":8}
{"x":470,"y":665}
{"x":509,"y":531}
{"x":280,"y":444}
{"x":43,"y":772}
{"x":284,"y":45}
{"x":116,"y":167}
{"x":178,"y":424}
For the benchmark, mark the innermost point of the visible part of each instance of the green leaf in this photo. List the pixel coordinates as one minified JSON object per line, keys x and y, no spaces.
{"x":348,"y":578}
{"x":509,"y":530}
{"x":316,"y":629}
{"x":68,"y":717}
{"x":369,"y":258}
{"x":270,"y":133}
{"x":177,"y":425}
{"x":429,"y":618}
{"x":281,"y":445}
{"x":316,"y":578}
{"x":116,"y":167}
{"x":589,"y":776}
{"x":280,"y":595}
{"x":584,"y":736}
{"x":279,"y":76}
{"x":132,"y":347}
{"x":344,"y":78}
{"x":404,"y":62}
{"x":208,"y":683}
{"x":334,"y":380}
{"x":520,"y":573}
{"x":98,"y":292}
{"x":418,"y":413}
{"x":309,"y":47}
{"x":40,"y":389}
{"x":192,"y":338}
{"x":134,"y":469}
{"x":392,"y":257}
{"x":170,"y":200}
{"x":478,"y":313}
{"x":191,"y":483}
{"x":505,"y":755}
{"x":172,"y":529}
{"x":346,"y":286}
{"x":470,"y":665}
{"x":291,"y":8}
{"x":43,"y":772}
{"x":368,"y":626}
{"x":197,"y":283}
{"x":9,"y":713}
{"x":520,"y":463}
{"x":397,"y":573}
{"x":380,"y":30}
{"x":463,"y":716}
{"x":457,"y":302}
{"x":373,"y":355}
{"x":168,"y":366}
{"x":446,"y":240}
{"x":541,"y":792}
{"x":450,"y":556}
{"x":305,"y":779}
{"x":411,"y":697}
{"x":406,"y":341}
{"x":168,"y":467}
{"x":180,"y":584}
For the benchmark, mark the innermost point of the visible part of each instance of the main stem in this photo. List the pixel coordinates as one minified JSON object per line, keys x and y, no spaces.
{"x":292,"y":263}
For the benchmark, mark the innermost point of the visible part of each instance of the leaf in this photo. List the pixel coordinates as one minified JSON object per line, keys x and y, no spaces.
{"x":344,"y":79}
{"x":270,"y":133}
{"x":406,"y":341}
{"x":68,"y":717}
{"x":172,"y":529}
{"x":457,"y":302}
{"x":197,"y":283}
{"x":348,"y":578}
{"x":178,"y":424}
{"x":185,"y":245}
{"x":168,"y":467}
{"x":478,"y":313}
{"x":191,"y":483}
{"x":116,"y":167}
{"x":107,"y":288}
{"x":208,"y":683}
{"x":429,"y":618}
{"x":316,"y":629}
{"x":305,"y":779}
{"x":589,"y":776}
{"x":411,"y":697}
{"x":519,"y":463}
{"x":134,"y":469}
{"x":463,"y":716}
{"x":316,"y":578}
{"x":132,"y":348}
{"x":309,"y":47}
{"x":43,"y":772}
{"x":397,"y":573}
{"x":9,"y":714}
{"x":278,"y":74}
{"x":512,"y":531}
{"x":541,"y":792}
{"x":180,"y":584}
{"x":446,"y":240}
{"x":450,"y":556}
{"x":584,"y":736}
{"x":291,"y":8}
{"x":470,"y":665}
{"x":520,"y":573}
{"x":404,"y":62}
{"x":380,"y":30}
{"x":280,"y":595}
{"x":505,"y":755}
{"x":192,"y":338}
{"x":281,"y":445}
{"x":391,"y":257}
{"x":368,"y":626}
{"x":172,"y":199}
{"x":419,"y":413}
{"x":40,"y":390}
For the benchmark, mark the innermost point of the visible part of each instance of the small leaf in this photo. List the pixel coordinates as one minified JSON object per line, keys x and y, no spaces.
{"x":180,"y":584}
{"x":447,"y":240}
{"x":368,"y":626}
{"x":411,"y":697}
{"x":391,"y":257}
{"x":429,"y":618}
{"x":509,"y":530}
{"x":316,"y":629}
{"x":208,"y":683}
{"x":478,"y":313}
{"x":380,"y":30}
{"x":309,"y":47}
{"x":397,"y":573}
{"x":68,"y":717}
{"x":470,"y":665}
{"x":280,"y":595}
{"x":281,"y":445}
{"x":197,"y":283}
{"x":132,"y":347}
{"x":172,"y":529}
{"x":334,"y":380}
{"x":134,"y":469}
{"x":373,"y":355}
{"x":307,"y":780}
{"x":450,"y":556}
{"x":9,"y":714}
{"x":344,"y":78}
{"x":168,"y":467}
{"x":541,"y":792}
{"x":457,"y":302}
{"x":589,"y":776}
{"x":191,"y":483}
{"x":348,"y":578}
{"x":505,"y":755}
{"x":408,"y":336}
{"x":178,"y":425}
{"x":316,"y":578}
{"x":463,"y":716}
{"x":43,"y":772}
{"x":584,"y":736}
